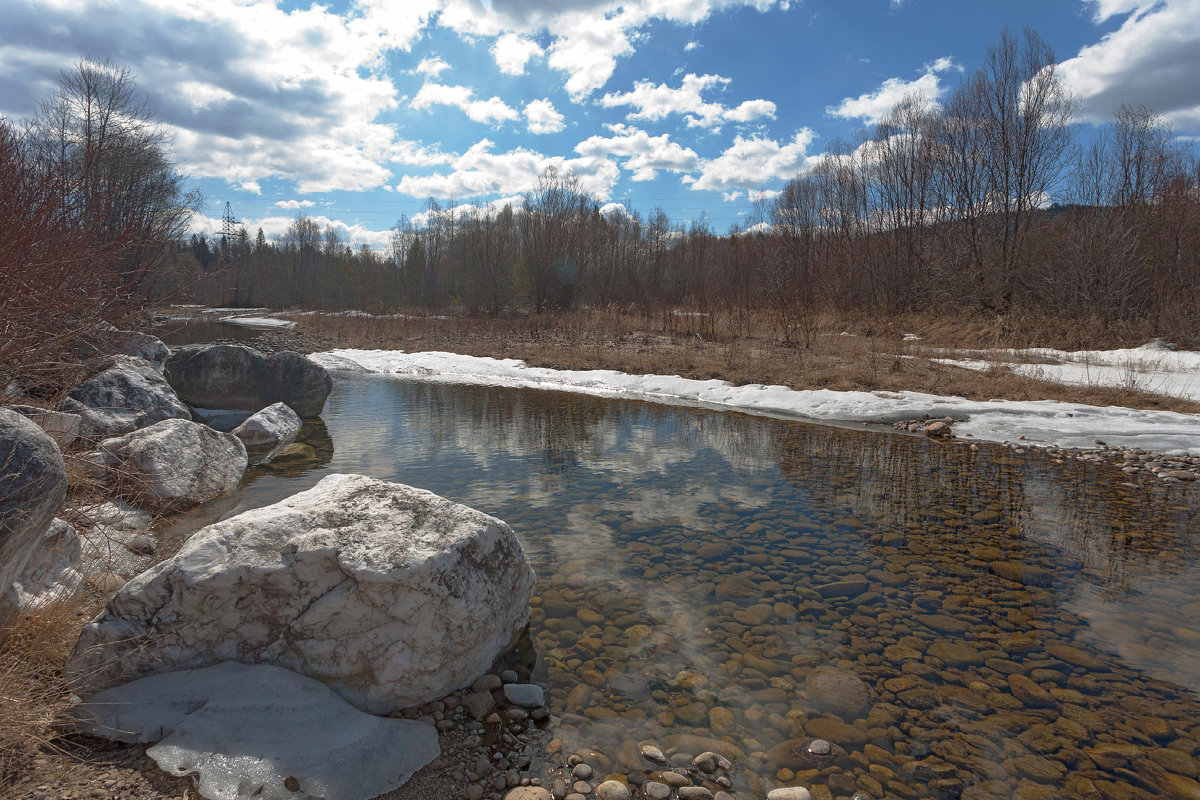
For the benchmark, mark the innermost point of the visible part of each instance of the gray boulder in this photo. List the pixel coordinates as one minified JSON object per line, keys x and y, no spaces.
{"x":33,"y":486}
{"x":268,"y":431}
{"x":171,"y":464}
{"x":142,"y":345}
{"x":62,"y":426}
{"x":390,"y":595}
{"x":128,"y":395}
{"x":235,"y":376}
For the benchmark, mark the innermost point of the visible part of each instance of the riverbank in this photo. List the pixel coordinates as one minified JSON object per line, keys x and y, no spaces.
{"x":903,"y":353}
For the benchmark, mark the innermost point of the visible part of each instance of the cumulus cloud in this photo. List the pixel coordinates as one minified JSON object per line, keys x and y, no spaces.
{"x":752,"y":162}
{"x":871,"y":107}
{"x":1152,"y":59}
{"x":543,"y":117}
{"x":481,"y":172}
{"x":431,"y":67}
{"x":655,"y":102}
{"x":644,"y":154}
{"x":248,"y":90}
{"x":294,"y":204}
{"x":436,"y":94}
{"x":513,"y":51}
{"x":587,"y":37}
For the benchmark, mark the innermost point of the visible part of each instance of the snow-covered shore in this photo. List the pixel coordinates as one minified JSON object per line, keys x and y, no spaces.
{"x":1042,"y":422}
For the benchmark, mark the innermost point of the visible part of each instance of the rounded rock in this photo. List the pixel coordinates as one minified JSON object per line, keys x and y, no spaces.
{"x":613,"y":790}
{"x":789,"y":793}
{"x":528,"y":793}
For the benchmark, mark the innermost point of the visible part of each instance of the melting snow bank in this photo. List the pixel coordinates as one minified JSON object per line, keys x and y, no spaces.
{"x":1041,"y":422}
{"x":259,"y":322}
{"x":1153,"y":367}
{"x":261,"y":731}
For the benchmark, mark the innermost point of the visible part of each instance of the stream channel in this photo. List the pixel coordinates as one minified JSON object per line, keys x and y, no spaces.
{"x":962,"y":623}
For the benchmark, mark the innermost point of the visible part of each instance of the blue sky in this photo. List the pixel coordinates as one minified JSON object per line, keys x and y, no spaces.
{"x":355,"y":112}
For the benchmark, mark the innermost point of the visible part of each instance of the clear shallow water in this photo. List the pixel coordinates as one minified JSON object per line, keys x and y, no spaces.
{"x":975,"y":624}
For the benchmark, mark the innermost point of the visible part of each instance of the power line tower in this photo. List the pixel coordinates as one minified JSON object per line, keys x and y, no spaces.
{"x":228,"y":231}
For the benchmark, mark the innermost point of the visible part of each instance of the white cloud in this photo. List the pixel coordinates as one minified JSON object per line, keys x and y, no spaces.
{"x":614,"y":210}
{"x":247,"y":90}
{"x":480,"y":172}
{"x":294,"y":204}
{"x":431,"y":66}
{"x":753,"y":162}
{"x":690,"y":46}
{"x":586,"y":36}
{"x":1106,"y":9}
{"x":543,"y":117}
{"x":436,"y":94}
{"x":655,"y":102}
{"x":874,"y":106}
{"x":644,"y":154}
{"x":1152,"y":59}
{"x":513,"y":51}
{"x":274,"y":227}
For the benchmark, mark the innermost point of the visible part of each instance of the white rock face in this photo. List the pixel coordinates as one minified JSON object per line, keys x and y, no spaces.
{"x":390,"y":595}
{"x":248,"y":730}
{"x":51,"y":574}
{"x":174,"y":463}
{"x":268,"y":431}
{"x":130,"y":394}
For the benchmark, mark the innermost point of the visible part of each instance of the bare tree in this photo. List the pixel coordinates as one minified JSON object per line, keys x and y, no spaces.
{"x":98,"y":136}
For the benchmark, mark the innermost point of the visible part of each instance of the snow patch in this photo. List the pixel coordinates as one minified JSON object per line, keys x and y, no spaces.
{"x":1040,"y":422}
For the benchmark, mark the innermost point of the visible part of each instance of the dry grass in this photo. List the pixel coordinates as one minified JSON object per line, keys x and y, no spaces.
{"x":841,"y":352}
{"x":33,"y":695}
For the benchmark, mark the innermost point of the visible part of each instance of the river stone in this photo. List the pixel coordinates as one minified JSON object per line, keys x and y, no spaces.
{"x":805,"y":753}
{"x":141,"y":345}
{"x":847,"y":587}
{"x":1073,"y":655}
{"x":1029,"y":693}
{"x":789,"y":793}
{"x":261,"y":731}
{"x":612,"y":790}
{"x":836,"y":691}
{"x":267,"y":432}
{"x":390,"y":595}
{"x":33,"y":485}
{"x":172,"y":464}
{"x":955,"y":654}
{"x":232,"y":376}
{"x":528,"y":695}
{"x":528,"y":793}
{"x":128,"y":395}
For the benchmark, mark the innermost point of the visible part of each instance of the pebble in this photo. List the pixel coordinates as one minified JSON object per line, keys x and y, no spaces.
{"x":528,"y":695}
{"x":613,"y":790}
{"x":789,"y":793}
{"x":652,"y":754}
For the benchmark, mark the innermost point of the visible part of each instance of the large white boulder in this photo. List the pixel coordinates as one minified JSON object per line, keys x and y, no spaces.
{"x":128,"y":395}
{"x":175,"y":463}
{"x":250,"y":731}
{"x":33,"y":485}
{"x":268,"y":431}
{"x":390,"y":595}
